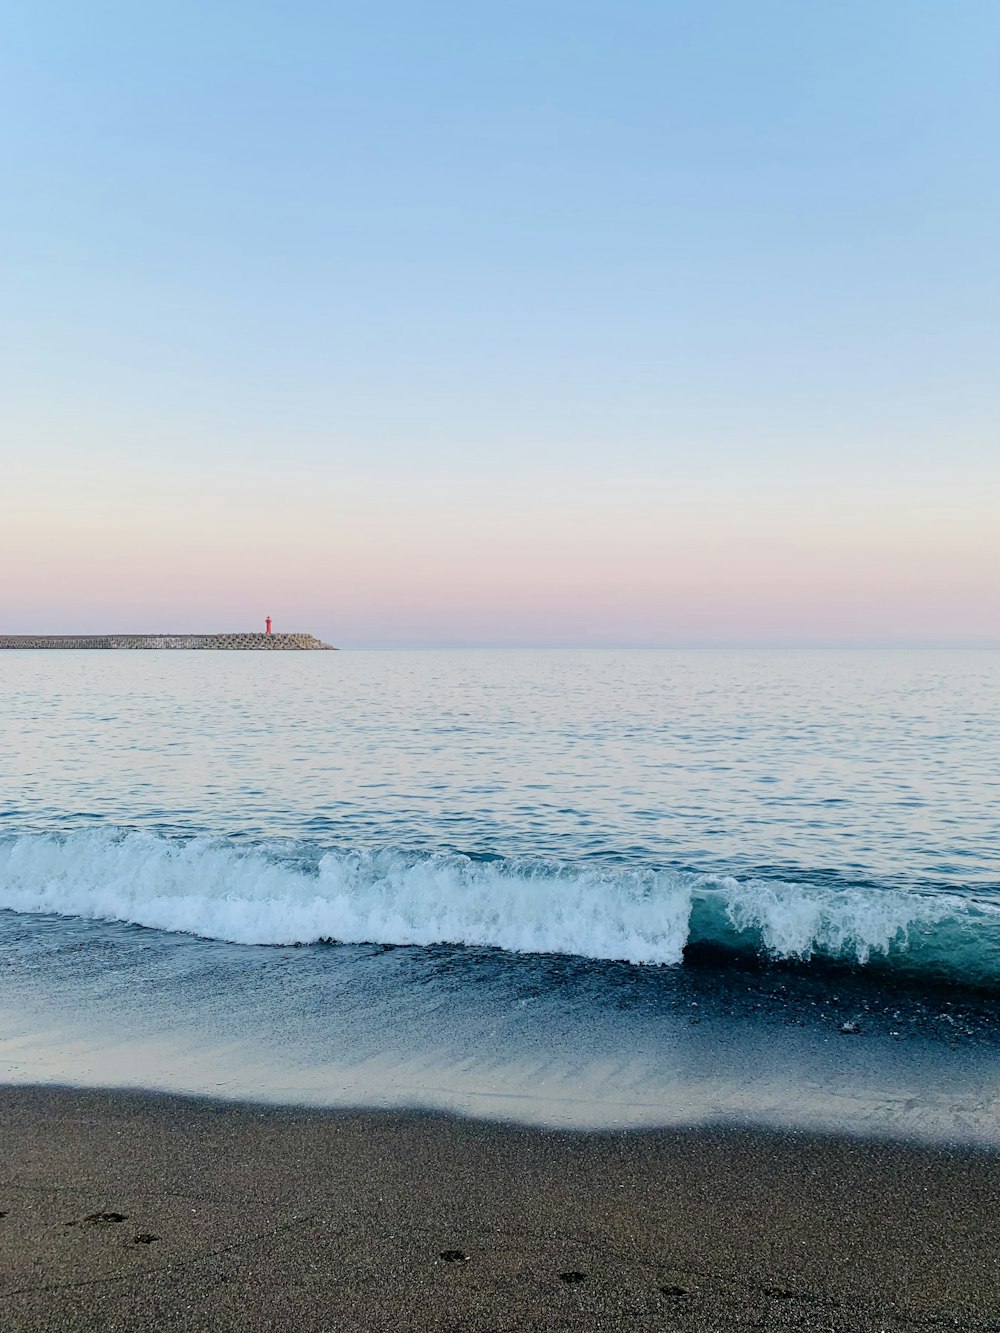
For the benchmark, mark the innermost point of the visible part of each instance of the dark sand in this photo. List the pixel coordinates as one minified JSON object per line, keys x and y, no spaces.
{"x":235,"y":1217}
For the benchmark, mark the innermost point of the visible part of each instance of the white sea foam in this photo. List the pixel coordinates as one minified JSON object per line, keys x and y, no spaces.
{"x":799,"y":920}
{"x":261,"y":895}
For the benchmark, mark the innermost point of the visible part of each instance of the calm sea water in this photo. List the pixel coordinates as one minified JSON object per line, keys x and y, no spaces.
{"x":613,"y":805}
{"x":588,"y":854}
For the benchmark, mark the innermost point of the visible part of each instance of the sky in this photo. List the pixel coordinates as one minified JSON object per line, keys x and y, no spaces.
{"x":515,"y":322}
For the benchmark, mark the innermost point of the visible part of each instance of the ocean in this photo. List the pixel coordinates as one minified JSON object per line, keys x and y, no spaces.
{"x":581,"y":887}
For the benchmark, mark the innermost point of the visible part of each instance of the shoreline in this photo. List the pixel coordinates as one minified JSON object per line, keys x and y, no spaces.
{"x":154,"y":1211}
{"x":547,"y":1041}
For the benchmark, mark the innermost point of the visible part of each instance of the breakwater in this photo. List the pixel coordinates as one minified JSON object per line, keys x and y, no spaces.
{"x":223,"y":642}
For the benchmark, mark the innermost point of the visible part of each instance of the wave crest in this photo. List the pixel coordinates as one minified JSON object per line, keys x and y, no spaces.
{"x":291,"y":894}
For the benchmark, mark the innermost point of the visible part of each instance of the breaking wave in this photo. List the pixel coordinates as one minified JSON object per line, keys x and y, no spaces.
{"x":298,"y":893}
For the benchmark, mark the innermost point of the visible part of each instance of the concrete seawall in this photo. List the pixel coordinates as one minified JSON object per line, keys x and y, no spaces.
{"x":230,"y":642}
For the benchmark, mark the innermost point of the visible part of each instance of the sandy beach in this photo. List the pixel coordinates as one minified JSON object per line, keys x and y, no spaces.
{"x":132,"y":1212}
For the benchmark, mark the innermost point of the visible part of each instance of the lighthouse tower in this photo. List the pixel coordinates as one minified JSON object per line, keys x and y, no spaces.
{"x":267,"y":625}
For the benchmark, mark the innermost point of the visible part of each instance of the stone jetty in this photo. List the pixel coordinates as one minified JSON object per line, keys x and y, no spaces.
{"x":224,"y":642}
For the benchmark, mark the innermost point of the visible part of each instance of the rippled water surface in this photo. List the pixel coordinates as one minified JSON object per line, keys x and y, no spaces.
{"x":881,"y":766}
{"x":612,"y":805}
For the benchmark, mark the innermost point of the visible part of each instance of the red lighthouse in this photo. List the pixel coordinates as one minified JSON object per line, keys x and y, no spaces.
{"x":267,"y":625}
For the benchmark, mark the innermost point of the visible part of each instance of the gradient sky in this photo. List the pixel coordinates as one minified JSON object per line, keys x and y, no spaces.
{"x":502,"y":321}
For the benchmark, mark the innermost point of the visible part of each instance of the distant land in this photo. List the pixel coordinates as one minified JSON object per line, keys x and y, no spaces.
{"x":218,"y":642}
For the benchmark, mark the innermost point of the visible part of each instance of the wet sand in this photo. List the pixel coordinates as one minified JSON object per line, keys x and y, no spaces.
{"x":131,"y":1212}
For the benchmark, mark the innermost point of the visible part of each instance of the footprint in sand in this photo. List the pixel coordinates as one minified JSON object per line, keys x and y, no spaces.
{"x":572,"y":1277}
{"x":454,"y":1257}
{"x":144,"y":1238}
{"x":98,"y":1219}
{"x":790,"y":1294}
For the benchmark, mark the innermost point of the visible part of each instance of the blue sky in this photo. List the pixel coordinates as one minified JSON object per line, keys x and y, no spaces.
{"x":462,"y":288}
